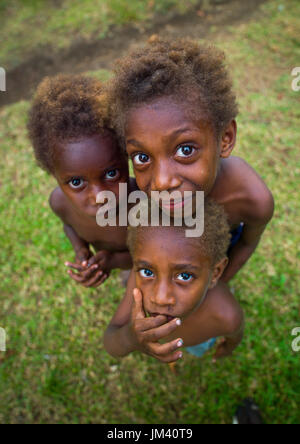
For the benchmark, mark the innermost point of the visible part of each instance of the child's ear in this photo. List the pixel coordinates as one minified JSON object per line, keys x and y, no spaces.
{"x":228,"y":139}
{"x":218,"y":271}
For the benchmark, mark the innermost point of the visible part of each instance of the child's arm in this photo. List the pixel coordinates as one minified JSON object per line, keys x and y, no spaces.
{"x":233,"y":326}
{"x":80,"y":246}
{"x":255,"y":209}
{"x":130,"y":330}
{"x":243,"y":250}
{"x":87,"y":276}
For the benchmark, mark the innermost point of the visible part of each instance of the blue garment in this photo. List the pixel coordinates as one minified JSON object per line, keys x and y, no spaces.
{"x":235,"y":235}
{"x":200,"y":349}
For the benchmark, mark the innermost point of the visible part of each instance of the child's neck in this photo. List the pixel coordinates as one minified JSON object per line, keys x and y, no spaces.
{"x":217,"y":189}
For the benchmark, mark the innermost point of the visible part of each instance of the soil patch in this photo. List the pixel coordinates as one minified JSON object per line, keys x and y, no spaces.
{"x":91,"y":55}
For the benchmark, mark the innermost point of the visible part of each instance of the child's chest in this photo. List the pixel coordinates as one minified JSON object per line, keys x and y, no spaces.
{"x":102,"y":238}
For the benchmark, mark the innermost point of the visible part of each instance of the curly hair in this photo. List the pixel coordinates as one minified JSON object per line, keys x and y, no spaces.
{"x":65,"y":107}
{"x":180,"y":69}
{"x":214,"y":242}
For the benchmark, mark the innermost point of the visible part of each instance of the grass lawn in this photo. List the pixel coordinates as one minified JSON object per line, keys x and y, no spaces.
{"x":27,"y":25}
{"x":55,"y":368}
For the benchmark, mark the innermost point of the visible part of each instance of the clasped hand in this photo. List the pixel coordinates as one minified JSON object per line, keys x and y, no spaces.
{"x":90,"y":270}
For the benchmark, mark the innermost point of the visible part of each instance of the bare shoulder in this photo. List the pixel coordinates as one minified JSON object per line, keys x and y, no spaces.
{"x":224,"y":309}
{"x":218,"y":315}
{"x":256,"y":200}
{"x":58,"y":203}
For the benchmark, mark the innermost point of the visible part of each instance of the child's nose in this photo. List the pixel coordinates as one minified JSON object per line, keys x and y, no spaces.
{"x":163,"y":295}
{"x":94,"y":191}
{"x":164,"y":178}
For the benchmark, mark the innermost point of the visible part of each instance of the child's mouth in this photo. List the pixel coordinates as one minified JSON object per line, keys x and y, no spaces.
{"x":174,"y":204}
{"x":169,"y":318}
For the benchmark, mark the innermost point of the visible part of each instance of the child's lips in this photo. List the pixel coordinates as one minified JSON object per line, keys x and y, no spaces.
{"x":169,"y":318}
{"x":176,"y":203}
{"x":173,"y":204}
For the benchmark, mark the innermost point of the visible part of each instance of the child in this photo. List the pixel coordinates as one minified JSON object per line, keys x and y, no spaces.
{"x":69,"y":130}
{"x":172,"y":274}
{"x":175,"y":109}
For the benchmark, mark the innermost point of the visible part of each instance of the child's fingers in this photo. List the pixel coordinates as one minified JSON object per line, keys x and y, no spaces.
{"x":161,"y":332}
{"x":75,"y":276}
{"x":138,"y":308}
{"x":92,"y":260}
{"x":102,"y":279}
{"x":91,"y":281}
{"x":98,"y":278}
{"x":94,"y":281}
{"x":82,"y":257}
{"x":91,"y":272}
{"x":171,"y":358}
{"x":74,"y":266}
{"x":153,"y":322}
{"x":169,"y":352}
{"x":96,"y":258}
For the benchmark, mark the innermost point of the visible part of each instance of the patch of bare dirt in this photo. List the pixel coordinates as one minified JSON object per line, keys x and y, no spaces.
{"x":91,"y":55}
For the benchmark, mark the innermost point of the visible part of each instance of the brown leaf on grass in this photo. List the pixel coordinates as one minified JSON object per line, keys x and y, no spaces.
{"x":153,"y":38}
{"x":201,"y":13}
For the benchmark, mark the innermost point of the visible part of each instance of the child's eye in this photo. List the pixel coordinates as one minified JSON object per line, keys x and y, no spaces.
{"x":185,"y":277}
{"x":111,"y":174}
{"x":185,"y":151}
{"x":76,"y":182}
{"x":140,"y":159}
{"x":145,"y":272}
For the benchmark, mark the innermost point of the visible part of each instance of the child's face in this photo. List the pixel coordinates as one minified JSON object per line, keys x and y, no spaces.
{"x":171,"y":150}
{"x":85,"y":167}
{"x":172,"y":272}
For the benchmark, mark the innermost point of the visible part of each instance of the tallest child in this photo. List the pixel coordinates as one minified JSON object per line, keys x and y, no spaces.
{"x":176,"y":110}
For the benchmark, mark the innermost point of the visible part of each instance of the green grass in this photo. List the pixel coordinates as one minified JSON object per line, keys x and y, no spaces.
{"x":55,"y":368}
{"x":34,"y":24}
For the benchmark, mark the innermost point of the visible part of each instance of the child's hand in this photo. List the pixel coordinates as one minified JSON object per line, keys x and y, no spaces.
{"x":102,"y":258}
{"x":225,"y":348}
{"x":92,"y":271}
{"x":82,"y":256}
{"x":146,"y":332}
